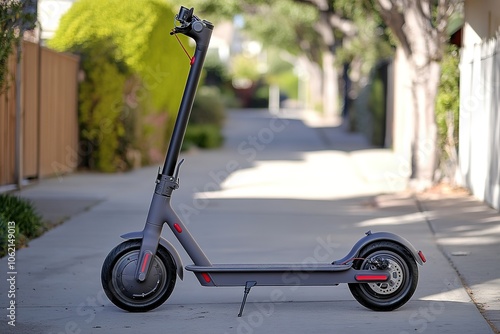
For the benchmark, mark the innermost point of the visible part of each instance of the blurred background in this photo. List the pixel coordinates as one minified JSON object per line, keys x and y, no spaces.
{"x":96,"y":85}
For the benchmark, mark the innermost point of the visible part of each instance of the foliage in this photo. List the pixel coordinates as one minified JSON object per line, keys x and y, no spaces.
{"x":287,"y":81}
{"x":376,"y":105}
{"x":101,"y":105}
{"x":361,"y":37}
{"x":224,"y":8}
{"x":217,"y":75}
{"x":13,"y":17}
{"x":423,"y":47}
{"x":208,"y":107}
{"x":287,"y":25}
{"x":246,"y":68}
{"x":447,"y":108}
{"x":28,"y":221}
{"x":282,"y":73}
{"x":216,"y":72}
{"x":4,"y":237}
{"x":202,"y":136}
{"x":206,"y":121}
{"x":131,"y":67}
{"x":373,"y":40}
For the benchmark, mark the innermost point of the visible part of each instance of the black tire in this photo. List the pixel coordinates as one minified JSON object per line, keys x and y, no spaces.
{"x":399,"y":289}
{"x":119,"y":284}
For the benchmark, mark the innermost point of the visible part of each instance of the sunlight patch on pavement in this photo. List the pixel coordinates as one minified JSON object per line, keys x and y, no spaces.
{"x":488,"y":294}
{"x":455,"y":295}
{"x":480,"y":232}
{"x":318,"y":175}
{"x":470,"y":241}
{"x":411,"y":218}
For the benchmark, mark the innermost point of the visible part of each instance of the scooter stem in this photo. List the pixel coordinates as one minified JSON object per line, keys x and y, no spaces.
{"x":200,"y":31}
{"x":160,"y":210}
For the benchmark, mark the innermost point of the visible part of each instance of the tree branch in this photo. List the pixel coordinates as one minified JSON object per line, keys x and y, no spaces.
{"x":394,"y":18}
{"x":347,"y":27}
{"x":336,"y":21}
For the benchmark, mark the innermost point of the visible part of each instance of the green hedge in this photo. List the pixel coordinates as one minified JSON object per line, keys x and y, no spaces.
{"x":447,"y":115}
{"x":377,"y":109}
{"x":447,"y":100}
{"x":207,"y":119}
{"x":28,"y":221}
{"x":134,"y":76}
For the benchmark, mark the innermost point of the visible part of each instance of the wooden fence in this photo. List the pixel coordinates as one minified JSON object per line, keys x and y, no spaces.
{"x":48,"y":134}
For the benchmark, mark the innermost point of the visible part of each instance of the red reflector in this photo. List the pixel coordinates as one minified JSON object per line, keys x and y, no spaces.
{"x":371,"y":278}
{"x":206,"y":277}
{"x":146,"y":257}
{"x":192,"y":60}
{"x":422,"y":256}
{"x":178,"y":228}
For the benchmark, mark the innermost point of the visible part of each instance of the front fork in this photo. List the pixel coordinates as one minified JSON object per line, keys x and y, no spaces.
{"x":161,"y":212}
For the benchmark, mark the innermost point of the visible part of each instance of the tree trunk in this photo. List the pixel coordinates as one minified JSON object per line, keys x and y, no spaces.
{"x":312,"y":75}
{"x":330,"y":85}
{"x":425,"y":48}
{"x":330,"y":75}
{"x":423,"y":43}
{"x":425,"y":81}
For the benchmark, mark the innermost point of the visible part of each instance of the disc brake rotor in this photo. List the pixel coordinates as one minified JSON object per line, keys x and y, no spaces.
{"x":396,"y":278}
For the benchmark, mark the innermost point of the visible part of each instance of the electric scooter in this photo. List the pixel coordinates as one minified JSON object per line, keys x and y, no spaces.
{"x":140,"y":273}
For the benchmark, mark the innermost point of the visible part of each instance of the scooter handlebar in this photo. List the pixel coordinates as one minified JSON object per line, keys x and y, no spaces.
{"x":189,"y":23}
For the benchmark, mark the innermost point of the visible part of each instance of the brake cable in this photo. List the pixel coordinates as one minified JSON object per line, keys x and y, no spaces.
{"x":191,"y":59}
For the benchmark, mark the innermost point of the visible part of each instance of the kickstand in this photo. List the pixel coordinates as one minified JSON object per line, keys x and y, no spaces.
{"x":248,"y":286}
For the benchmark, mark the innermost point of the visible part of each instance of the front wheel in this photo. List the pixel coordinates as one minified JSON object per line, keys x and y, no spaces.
{"x":121,"y":287}
{"x":403,"y":271}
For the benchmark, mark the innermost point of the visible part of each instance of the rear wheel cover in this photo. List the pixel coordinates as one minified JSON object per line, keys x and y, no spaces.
{"x":403,"y":277}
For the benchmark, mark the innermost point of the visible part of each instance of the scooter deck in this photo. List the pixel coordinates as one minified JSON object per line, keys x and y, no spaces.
{"x":284,"y":274}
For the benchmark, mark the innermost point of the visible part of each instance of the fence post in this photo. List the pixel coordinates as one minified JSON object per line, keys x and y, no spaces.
{"x":19,"y":109}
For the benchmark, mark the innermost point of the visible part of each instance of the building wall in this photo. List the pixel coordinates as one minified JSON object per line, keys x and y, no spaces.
{"x":479,"y":130}
{"x":482,"y":20}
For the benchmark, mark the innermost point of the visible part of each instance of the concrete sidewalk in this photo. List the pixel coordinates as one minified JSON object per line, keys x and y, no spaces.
{"x":281,"y":186}
{"x":466,"y":230}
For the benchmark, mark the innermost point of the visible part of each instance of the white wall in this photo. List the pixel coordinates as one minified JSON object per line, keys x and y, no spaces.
{"x":479,"y":131}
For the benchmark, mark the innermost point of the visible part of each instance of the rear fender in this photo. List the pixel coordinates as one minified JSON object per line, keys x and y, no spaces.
{"x":380,"y":236}
{"x":165,"y":243}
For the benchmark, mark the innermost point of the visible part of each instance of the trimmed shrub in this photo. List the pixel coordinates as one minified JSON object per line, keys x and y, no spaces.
{"x":101,"y":104}
{"x":202,"y":136}
{"x":377,"y":108}
{"x":208,"y":107}
{"x":131,"y":91}
{"x":447,"y":112}
{"x":28,"y":221}
{"x":206,"y":121}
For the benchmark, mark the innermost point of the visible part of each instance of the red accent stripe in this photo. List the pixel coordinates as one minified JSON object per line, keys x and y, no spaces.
{"x":146,"y":257}
{"x":193,"y":59}
{"x":178,"y":228}
{"x":371,"y":278}
{"x":422,"y":256}
{"x":206,"y":277}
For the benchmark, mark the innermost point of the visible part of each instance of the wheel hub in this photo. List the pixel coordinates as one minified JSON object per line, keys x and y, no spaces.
{"x":396,"y":279}
{"x":125,"y":281}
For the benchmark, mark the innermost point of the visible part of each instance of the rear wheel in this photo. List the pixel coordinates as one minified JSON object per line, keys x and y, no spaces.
{"x":403,"y":272}
{"x":121,"y":287}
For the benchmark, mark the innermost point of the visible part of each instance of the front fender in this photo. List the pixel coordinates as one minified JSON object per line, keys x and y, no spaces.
{"x":378,"y":236}
{"x":165,"y":243}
